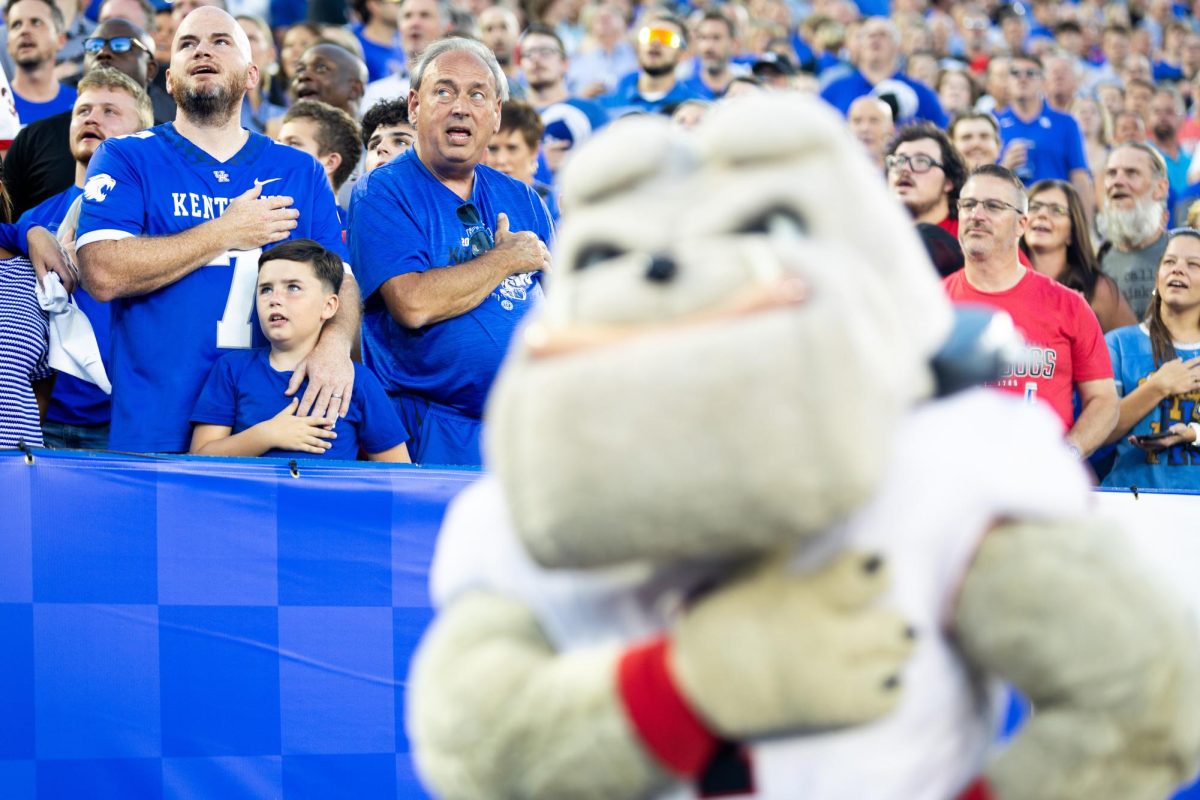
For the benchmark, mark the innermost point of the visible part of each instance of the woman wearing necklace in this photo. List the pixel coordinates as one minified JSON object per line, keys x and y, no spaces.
{"x":1157,"y":369}
{"x":1059,"y":246}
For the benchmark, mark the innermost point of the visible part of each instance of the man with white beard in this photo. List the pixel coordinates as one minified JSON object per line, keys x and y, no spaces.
{"x":1133,"y":220}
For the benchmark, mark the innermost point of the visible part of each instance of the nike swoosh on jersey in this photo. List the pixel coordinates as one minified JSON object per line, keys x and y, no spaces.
{"x":259,"y":184}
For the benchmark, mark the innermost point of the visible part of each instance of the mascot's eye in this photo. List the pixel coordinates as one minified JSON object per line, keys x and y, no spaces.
{"x":775,"y":221}
{"x":595,"y":254}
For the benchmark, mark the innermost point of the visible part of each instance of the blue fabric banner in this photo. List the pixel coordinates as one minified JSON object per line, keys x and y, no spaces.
{"x":210,"y":628}
{"x":233,"y":628}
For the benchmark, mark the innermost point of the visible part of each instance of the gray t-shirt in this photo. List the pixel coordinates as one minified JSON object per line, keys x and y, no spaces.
{"x":1135,"y":272}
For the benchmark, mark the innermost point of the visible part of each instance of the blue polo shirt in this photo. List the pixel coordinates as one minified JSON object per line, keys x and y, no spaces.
{"x":842,"y":92}
{"x":1056,"y":145}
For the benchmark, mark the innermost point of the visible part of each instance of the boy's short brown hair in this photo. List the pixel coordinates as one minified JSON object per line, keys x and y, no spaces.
{"x":326,"y":264}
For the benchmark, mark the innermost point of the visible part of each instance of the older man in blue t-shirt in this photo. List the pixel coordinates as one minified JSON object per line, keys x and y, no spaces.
{"x":449,"y":254}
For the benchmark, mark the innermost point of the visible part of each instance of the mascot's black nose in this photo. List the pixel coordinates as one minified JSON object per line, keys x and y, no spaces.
{"x":662,"y":269}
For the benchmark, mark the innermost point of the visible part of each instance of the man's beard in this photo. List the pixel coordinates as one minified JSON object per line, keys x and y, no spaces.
{"x":714,"y":67}
{"x":1163,"y":131}
{"x":658,"y":70}
{"x":30,"y":63}
{"x":540,"y":85}
{"x":1127,"y":228}
{"x":212,"y":105}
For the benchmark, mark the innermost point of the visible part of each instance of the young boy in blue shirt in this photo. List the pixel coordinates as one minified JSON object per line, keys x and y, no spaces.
{"x":242,"y":409}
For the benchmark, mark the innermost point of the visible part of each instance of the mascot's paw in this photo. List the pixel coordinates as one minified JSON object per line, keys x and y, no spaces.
{"x":1068,"y":614}
{"x":775,"y":651}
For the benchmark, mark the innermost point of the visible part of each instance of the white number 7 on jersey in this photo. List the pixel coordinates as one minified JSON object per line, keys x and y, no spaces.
{"x":234,"y":329}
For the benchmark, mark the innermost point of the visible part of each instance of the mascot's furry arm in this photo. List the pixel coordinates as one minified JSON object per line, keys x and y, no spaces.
{"x":496,"y":712}
{"x":1115,"y":684}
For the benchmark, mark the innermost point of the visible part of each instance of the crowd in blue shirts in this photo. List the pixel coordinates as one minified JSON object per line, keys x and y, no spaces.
{"x":582,"y":65}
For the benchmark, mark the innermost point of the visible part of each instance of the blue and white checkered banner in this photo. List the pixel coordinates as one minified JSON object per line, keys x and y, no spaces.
{"x":234,"y":628}
{"x":210,"y":628}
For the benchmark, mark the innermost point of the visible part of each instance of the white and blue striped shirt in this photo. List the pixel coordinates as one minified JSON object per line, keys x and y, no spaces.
{"x":24,"y":340}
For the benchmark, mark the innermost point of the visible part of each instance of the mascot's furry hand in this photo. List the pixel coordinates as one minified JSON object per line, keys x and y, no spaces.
{"x":804,"y":652}
{"x":1115,"y":684}
{"x":496,"y":712}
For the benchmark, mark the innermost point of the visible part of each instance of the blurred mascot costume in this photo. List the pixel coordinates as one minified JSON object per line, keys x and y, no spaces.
{"x":734,"y":543}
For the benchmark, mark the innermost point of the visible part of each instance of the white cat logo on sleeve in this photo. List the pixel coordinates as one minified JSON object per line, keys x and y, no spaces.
{"x":98,"y":187}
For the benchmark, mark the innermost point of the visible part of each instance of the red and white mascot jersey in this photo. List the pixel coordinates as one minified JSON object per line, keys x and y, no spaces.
{"x":957,"y":466}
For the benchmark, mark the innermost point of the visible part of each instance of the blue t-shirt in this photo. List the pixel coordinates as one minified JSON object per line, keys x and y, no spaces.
{"x":1177,"y":467}
{"x":842,"y":92}
{"x":74,"y":401}
{"x":402,"y":220}
{"x":29,"y":111}
{"x":626,"y":99}
{"x":243,"y":390}
{"x":381,"y":60}
{"x":157,"y":183}
{"x":1056,"y":145}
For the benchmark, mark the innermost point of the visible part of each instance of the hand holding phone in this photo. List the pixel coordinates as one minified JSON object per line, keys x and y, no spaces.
{"x":1155,"y":442}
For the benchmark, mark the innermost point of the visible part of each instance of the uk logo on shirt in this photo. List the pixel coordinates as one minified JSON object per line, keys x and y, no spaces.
{"x":98,"y":187}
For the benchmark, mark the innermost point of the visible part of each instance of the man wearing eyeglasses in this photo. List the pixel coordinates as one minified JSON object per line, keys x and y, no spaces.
{"x":1042,"y":143}
{"x":661,"y":42}
{"x":569,"y":121}
{"x":925,"y":173}
{"x":1065,"y":350}
{"x":39,"y":163}
{"x":449,"y":252}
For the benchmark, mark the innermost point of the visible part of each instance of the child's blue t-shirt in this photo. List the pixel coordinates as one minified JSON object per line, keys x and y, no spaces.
{"x":243,"y":390}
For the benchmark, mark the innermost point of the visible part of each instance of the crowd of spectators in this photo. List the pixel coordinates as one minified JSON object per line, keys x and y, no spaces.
{"x":1092,"y":108}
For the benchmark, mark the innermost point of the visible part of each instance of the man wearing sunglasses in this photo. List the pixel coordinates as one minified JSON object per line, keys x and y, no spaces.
{"x":661,"y":42}
{"x":1065,"y":350}
{"x":39,"y":163}
{"x":1048,"y":142}
{"x":449,"y":254}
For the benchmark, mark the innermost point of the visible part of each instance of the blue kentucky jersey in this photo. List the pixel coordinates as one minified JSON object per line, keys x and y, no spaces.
{"x":157,"y":183}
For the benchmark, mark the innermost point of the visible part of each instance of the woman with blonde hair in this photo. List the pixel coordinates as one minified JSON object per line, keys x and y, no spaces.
{"x":1157,"y":369}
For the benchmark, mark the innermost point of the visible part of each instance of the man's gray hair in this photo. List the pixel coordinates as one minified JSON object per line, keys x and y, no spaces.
{"x":1158,"y":166}
{"x":453,"y":44}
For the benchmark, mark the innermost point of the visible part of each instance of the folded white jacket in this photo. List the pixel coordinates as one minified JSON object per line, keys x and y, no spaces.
{"x":73,"y":346}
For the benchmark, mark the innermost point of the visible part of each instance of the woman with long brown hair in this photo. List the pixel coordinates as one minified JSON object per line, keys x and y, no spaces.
{"x":1157,"y":369}
{"x":1059,"y":246}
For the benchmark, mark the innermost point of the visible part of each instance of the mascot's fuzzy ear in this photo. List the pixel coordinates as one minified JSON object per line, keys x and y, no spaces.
{"x":638,"y":150}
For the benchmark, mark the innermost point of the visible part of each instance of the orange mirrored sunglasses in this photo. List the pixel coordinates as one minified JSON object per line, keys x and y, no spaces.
{"x":663,"y":36}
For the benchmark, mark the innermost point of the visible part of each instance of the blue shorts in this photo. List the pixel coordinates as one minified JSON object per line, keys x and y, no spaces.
{"x":440,"y":435}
